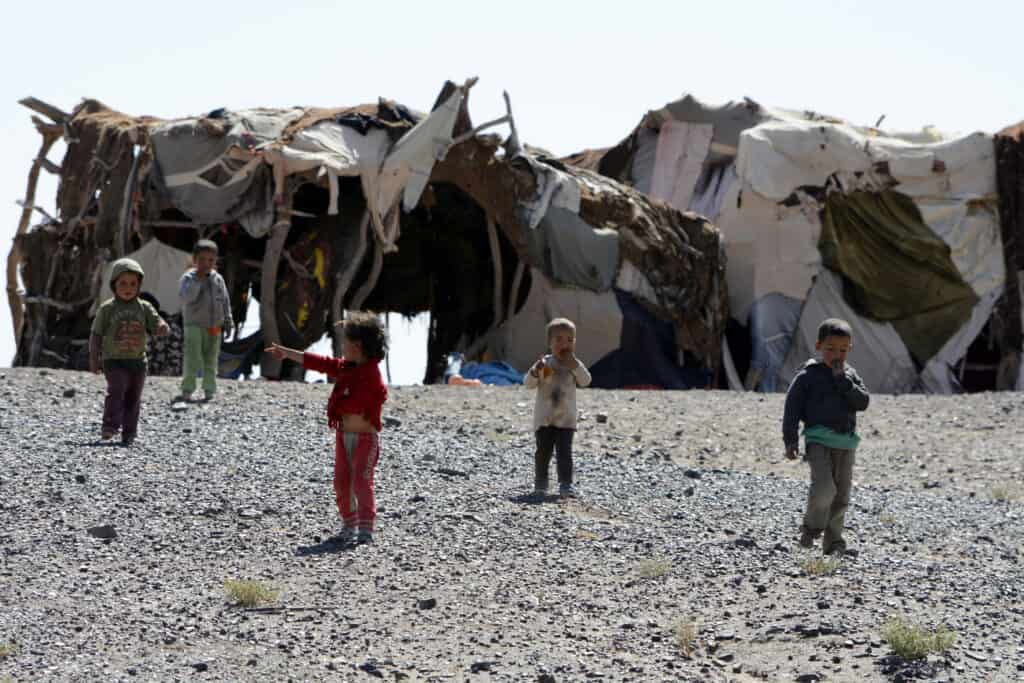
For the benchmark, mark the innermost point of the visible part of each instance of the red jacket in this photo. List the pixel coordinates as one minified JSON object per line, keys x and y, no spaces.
{"x":358,"y":389}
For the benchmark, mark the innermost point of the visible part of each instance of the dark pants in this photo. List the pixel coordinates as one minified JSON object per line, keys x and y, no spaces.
{"x":559,"y":441}
{"x":124,"y":397}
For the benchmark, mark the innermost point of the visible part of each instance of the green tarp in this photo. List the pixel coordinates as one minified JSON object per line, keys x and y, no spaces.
{"x":895,"y":269}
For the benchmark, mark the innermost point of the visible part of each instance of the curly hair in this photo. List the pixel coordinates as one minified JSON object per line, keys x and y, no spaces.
{"x":364,"y":328}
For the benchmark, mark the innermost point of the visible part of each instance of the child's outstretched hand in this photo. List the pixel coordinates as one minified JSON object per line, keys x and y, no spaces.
{"x":792,"y":452}
{"x":277,"y":351}
{"x":537,"y":367}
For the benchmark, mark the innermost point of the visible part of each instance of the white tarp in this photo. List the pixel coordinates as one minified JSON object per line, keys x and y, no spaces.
{"x":877,"y":353}
{"x":163,"y":266}
{"x":775,"y":158}
{"x":769,"y":248}
{"x":598,"y":318}
{"x":678,"y":160}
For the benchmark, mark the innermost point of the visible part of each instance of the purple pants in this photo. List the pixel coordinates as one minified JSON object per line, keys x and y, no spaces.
{"x":124,"y":397}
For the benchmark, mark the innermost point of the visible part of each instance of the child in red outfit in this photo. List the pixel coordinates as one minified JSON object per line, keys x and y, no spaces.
{"x":353,"y":410}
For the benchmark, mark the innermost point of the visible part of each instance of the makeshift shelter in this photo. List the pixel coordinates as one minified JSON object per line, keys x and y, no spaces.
{"x":899,"y":233}
{"x":319,"y":211}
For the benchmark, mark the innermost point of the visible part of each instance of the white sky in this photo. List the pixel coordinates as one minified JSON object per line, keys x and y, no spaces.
{"x":580,"y":75}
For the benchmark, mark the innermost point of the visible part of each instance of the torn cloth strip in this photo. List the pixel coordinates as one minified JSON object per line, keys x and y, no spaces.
{"x":207,"y":166}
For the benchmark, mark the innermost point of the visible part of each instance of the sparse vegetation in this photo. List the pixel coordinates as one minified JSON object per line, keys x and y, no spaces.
{"x":887,"y":518}
{"x":249,"y":593}
{"x":6,"y":650}
{"x":1001,"y":493}
{"x":654,"y":567}
{"x":814,"y":565}
{"x":687,"y":631}
{"x":911,"y":641}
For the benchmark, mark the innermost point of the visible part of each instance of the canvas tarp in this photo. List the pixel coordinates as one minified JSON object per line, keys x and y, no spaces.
{"x":896,"y":268}
{"x":770,"y":248}
{"x":777,"y":157}
{"x":571,"y":251}
{"x":520,"y":341}
{"x":163,"y":266}
{"x":878,"y":353}
{"x":679,"y":158}
{"x":208,"y":167}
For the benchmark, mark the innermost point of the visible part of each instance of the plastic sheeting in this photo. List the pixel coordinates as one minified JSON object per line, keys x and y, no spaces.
{"x":878,"y":352}
{"x":646,"y":356}
{"x":163,"y":265}
{"x":773,"y":321}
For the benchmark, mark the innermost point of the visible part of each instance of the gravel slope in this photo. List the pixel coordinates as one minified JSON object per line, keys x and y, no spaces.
{"x":687,"y":515}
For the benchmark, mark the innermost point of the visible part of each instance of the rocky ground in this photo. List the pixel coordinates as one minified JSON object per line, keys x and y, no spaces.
{"x":677,"y":561}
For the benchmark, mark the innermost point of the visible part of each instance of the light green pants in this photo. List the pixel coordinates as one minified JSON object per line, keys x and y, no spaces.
{"x":202,"y":352}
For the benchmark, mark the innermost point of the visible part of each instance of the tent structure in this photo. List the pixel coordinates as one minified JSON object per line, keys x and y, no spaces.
{"x":319,"y":211}
{"x":897,"y":232}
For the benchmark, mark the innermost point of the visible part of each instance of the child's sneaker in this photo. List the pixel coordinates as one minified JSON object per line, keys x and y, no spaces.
{"x":208,"y":396}
{"x":127,"y":441}
{"x":540,"y":492}
{"x":183,"y":397}
{"x":106,"y":436}
{"x":807,"y":537}
{"x":364,"y":536}
{"x":567,"y":491}
{"x":343,"y":537}
{"x":837,"y":548}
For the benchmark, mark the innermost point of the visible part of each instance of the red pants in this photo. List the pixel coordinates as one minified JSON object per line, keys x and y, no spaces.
{"x":355,"y":458}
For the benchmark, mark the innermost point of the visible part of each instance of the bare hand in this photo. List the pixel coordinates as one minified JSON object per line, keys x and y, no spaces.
{"x":837,"y":368}
{"x":537,"y":367}
{"x":277,"y":351}
{"x":792,"y":452}
{"x":162,"y":329}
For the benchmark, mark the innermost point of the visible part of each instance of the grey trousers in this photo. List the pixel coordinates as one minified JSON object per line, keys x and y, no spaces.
{"x":829,"y":496}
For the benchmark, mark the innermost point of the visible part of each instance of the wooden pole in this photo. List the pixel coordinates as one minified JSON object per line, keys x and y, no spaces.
{"x":14,"y":256}
{"x":492,"y":236}
{"x":270,"y":366}
{"x":345,"y":277}
{"x":359,"y":298}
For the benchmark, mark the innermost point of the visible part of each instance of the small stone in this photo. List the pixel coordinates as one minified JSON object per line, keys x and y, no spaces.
{"x":546,"y":678}
{"x":601,"y":418}
{"x":688,"y":492}
{"x":200,"y":666}
{"x":693,"y":474}
{"x":250,"y":513}
{"x":392,"y":422}
{"x":477,"y":667}
{"x":808,"y":678}
{"x":823,"y":604}
{"x":426,"y":603}
{"x":103,"y":531}
{"x":976,"y":656}
{"x":745,"y":543}
{"x":179,"y":406}
{"x":79,"y":478}
{"x":70,"y":393}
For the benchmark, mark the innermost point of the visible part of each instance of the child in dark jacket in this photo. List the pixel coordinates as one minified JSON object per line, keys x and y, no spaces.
{"x":826,"y":395}
{"x":354,"y":411}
